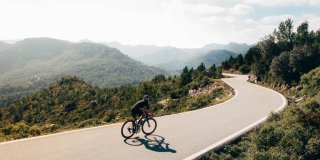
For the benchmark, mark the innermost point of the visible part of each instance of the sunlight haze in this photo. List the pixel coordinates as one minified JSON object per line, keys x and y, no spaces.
{"x":179,"y":23}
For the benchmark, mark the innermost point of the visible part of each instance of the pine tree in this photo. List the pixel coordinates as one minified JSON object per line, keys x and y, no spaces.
{"x":185,"y":77}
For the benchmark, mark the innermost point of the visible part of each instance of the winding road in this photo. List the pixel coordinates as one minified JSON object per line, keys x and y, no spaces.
{"x":179,"y":136}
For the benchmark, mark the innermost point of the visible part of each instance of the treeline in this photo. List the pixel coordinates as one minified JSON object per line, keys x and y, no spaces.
{"x":72,"y":103}
{"x":281,"y":57}
{"x":199,"y":74}
{"x":291,"y":59}
{"x":9,"y":93}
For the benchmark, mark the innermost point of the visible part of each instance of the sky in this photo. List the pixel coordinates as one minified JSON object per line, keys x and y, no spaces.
{"x":178,"y":23}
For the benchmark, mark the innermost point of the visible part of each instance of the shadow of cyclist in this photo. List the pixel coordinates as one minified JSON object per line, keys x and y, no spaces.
{"x":152,"y":142}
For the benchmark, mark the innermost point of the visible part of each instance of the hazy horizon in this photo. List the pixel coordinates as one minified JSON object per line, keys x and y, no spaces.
{"x":177,"y":23}
{"x":13,"y":41}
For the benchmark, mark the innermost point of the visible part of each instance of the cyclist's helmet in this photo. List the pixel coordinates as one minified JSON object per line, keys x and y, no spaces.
{"x":146,"y":97}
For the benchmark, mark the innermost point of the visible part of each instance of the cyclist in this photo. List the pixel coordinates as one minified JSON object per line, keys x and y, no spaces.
{"x":140,"y":107}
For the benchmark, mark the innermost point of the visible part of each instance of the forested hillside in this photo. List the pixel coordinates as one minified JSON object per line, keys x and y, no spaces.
{"x":239,"y":48}
{"x":282,"y":57}
{"x":44,"y":58}
{"x":211,"y":57}
{"x":3,"y":46}
{"x":72,"y":103}
{"x":35,"y":63}
{"x":287,"y":61}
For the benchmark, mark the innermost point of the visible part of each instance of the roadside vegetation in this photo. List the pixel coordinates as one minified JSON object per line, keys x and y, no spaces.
{"x":288,"y":62}
{"x":72,"y":103}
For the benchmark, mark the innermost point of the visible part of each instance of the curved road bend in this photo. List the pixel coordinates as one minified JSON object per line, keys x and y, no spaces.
{"x":177,"y":136}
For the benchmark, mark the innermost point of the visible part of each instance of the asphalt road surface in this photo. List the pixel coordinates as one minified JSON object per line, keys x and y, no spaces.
{"x":178,"y":136}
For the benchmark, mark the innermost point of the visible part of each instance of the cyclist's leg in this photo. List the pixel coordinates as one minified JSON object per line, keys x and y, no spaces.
{"x":134,"y":117}
{"x":140,"y":113}
{"x":137,"y":115}
{"x":134,"y":114}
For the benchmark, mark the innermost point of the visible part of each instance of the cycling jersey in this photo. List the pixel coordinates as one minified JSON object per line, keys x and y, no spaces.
{"x":137,"y":109}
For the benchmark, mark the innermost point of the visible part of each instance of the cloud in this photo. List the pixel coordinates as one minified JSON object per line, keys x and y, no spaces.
{"x":204,"y":9}
{"x":235,"y":22}
{"x":241,"y":9}
{"x":208,"y":9}
{"x":314,"y":21}
{"x":250,"y":30}
{"x":218,"y":19}
{"x":275,"y":19}
{"x":225,"y":3}
{"x":199,"y":9}
{"x":284,"y":2}
{"x":180,"y":23}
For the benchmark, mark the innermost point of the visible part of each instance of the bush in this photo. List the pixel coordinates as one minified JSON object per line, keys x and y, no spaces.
{"x":20,"y":130}
{"x":199,"y":102}
{"x":35,"y":130}
{"x":244,"y":69}
{"x":311,"y":82}
{"x":7,"y":130}
{"x":309,"y":114}
{"x":71,"y":105}
{"x":313,"y":148}
{"x":178,"y":93}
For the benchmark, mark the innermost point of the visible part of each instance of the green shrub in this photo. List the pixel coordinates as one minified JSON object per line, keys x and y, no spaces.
{"x":178,"y":93}
{"x":20,"y":130}
{"x":35,"y":130}
{"x":244,"y":69}
{"x":313,"y":148}
{"x":70,"y":106}
{"x":311,"y":82}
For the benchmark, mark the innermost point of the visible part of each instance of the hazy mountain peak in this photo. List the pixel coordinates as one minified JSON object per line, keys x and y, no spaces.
{"x":40,"y":39}
{"x":9,"y":41}
{"x":42,"y":43}
{"x":172,"y":58}
{"x":2,"y":44}
{"x":232,"y":46}
{"x":86,"y":40}
{"x":50,"y":59}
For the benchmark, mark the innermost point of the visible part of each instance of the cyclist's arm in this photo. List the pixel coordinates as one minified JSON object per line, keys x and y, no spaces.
{"x":150,"y":112}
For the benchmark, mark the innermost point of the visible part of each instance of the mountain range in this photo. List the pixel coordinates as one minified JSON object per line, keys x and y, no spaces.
{"x":173,"y":59}
{"x":46,"y":59}
{"x":49,"y":59}
{"x":34,"y":63}
{"x":192,"y":61}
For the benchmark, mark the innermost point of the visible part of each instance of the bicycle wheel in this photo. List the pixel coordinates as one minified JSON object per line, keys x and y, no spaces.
{"x":127,"y":129}
{"x":149,"y":126}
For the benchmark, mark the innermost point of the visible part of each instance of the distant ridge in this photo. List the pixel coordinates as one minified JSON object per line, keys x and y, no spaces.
{"x":172,"y":58}
{"x":209,"y":58}
{"x":232,"y":47}
{"x":36,"y":59}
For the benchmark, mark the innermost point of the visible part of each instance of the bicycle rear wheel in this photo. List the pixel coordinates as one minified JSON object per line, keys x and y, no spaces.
{"x":149,"y":126}
{"x":127,"y":129}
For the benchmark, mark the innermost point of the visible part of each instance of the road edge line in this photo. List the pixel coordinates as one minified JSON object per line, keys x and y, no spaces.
{"x":59,"y":133}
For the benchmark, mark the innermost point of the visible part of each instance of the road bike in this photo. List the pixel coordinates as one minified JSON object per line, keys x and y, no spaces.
{"x":147,"y":124}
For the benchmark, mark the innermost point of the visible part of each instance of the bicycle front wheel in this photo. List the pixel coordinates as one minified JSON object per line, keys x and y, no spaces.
{"x":127,"y":129}
{"x":149,"y":126}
